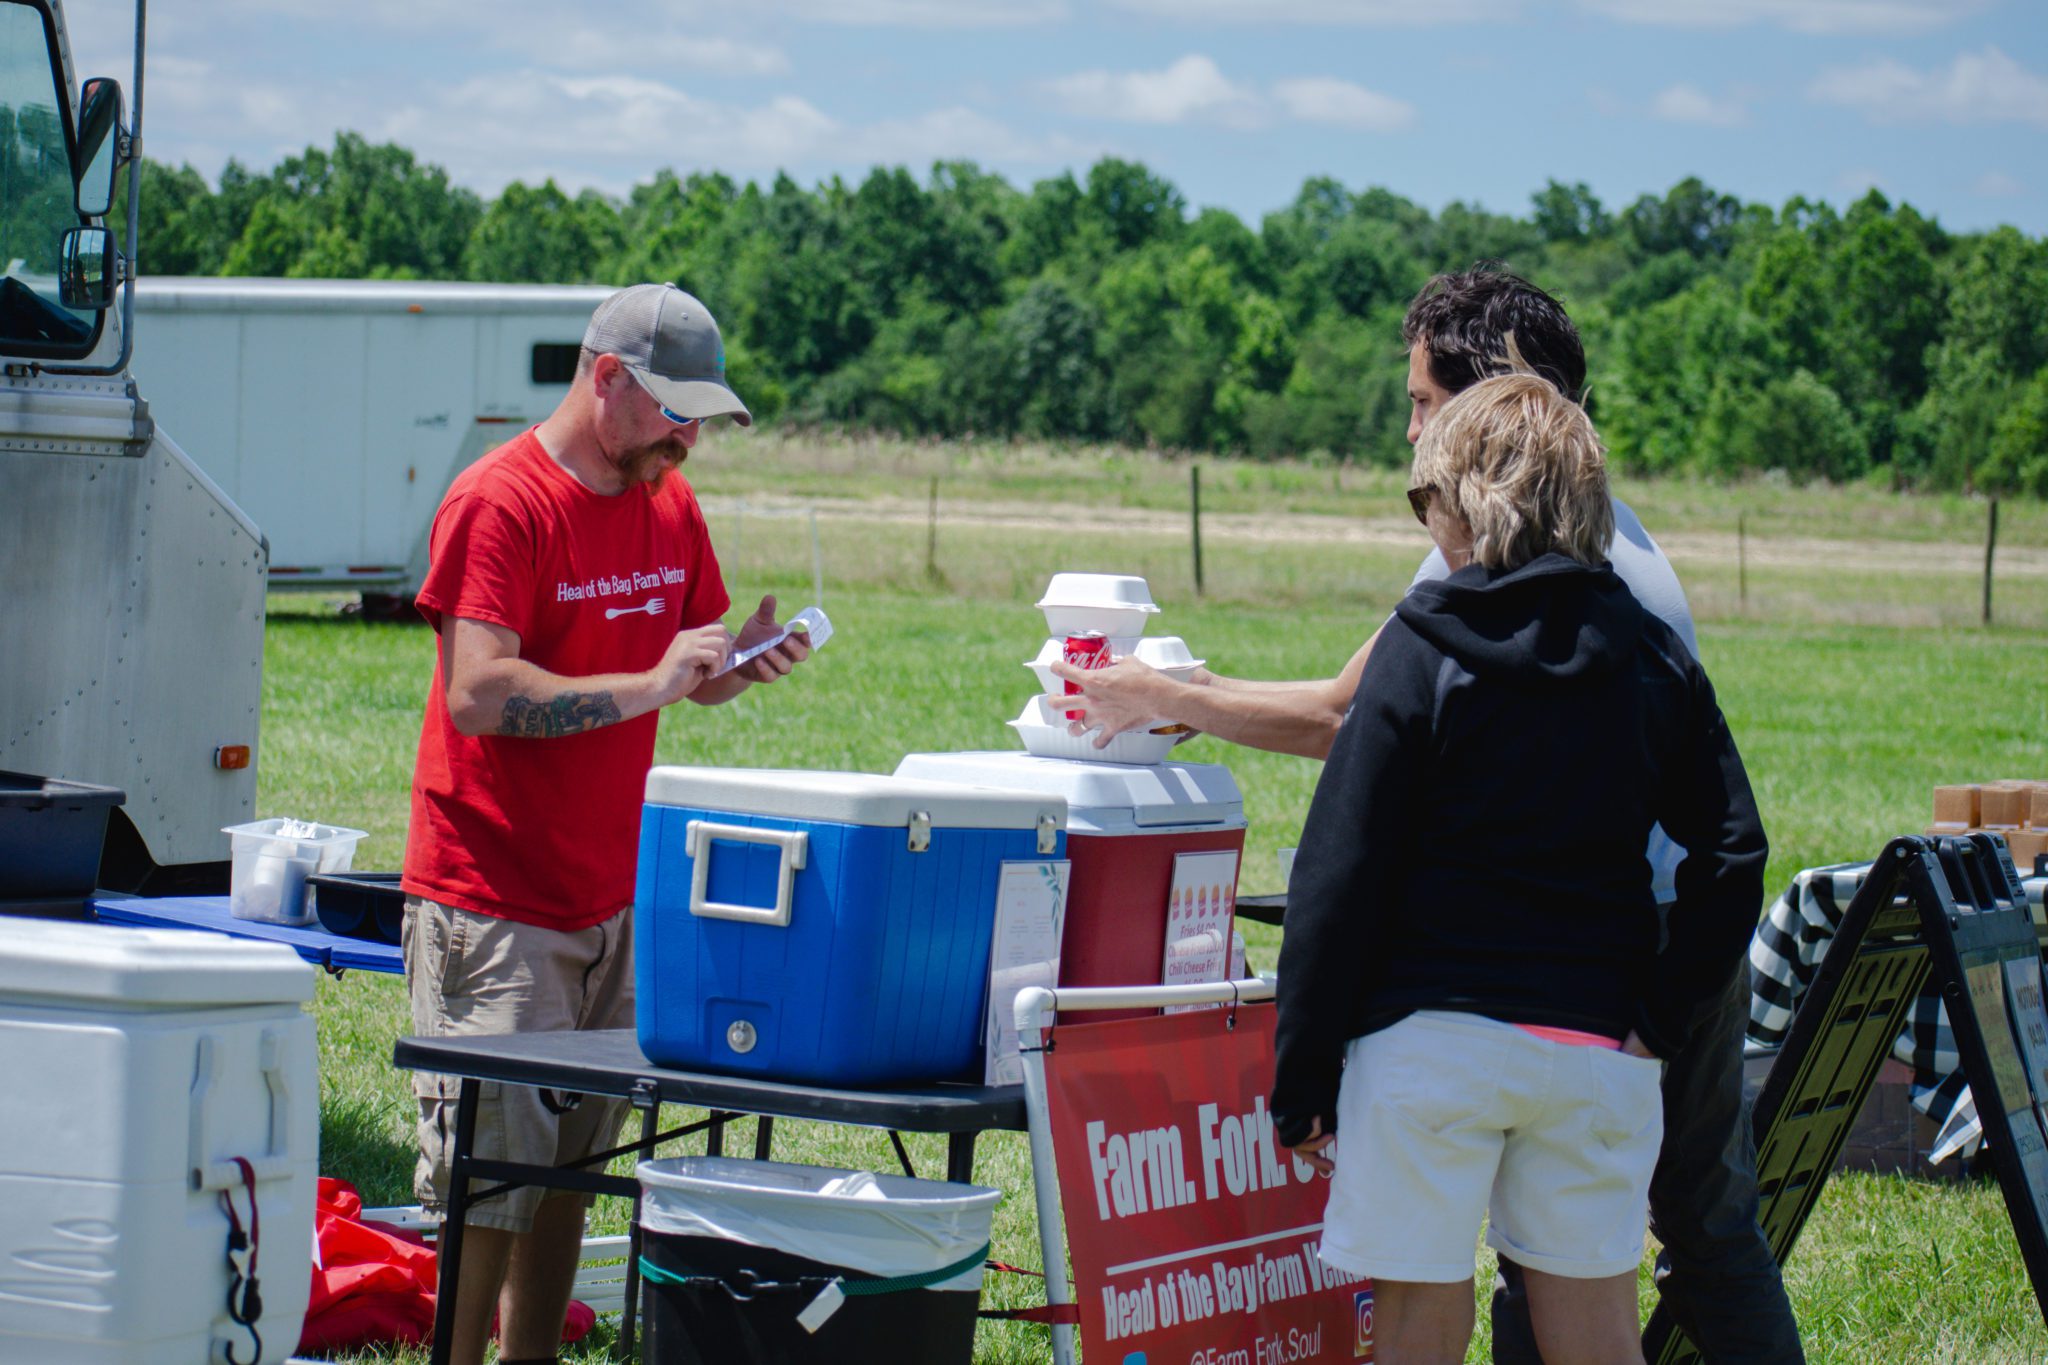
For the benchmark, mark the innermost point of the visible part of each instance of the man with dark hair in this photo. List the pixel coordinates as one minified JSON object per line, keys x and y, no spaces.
{"x":1716,"y":1272}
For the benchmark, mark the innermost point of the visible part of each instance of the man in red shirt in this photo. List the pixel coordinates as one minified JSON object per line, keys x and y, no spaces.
{"x":575,"y":592}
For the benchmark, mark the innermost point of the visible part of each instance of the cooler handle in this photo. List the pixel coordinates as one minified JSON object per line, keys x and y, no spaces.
{"x":697,"y":839}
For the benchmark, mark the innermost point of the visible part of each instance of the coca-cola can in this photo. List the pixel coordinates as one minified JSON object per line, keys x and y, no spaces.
{"x":1088,"y":650}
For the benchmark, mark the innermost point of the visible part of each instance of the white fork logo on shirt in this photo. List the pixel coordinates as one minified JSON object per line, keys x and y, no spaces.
{"x":652,"y":606}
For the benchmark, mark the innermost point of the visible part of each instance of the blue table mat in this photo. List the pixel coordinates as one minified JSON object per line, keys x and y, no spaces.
{"x":311,"y":942}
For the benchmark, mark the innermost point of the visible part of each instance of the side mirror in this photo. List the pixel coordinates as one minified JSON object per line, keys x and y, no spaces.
{"x":99,"y":144}
{"x":87,"y":269}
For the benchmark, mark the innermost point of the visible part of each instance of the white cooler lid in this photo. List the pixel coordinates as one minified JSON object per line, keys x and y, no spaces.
{"x":853,"y":798}
{"x":45,"y":960}
{"x":1102,"y":798}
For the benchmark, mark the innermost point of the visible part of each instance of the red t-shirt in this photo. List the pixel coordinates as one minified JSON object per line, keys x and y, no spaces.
{"x":545,"y":831}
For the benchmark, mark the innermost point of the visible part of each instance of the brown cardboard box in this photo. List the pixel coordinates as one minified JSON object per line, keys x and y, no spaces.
{"x":2026,"y":845}
{"x":2000,"y":805}
{"x":1955,"y":809}
{"x":2034,"y":814}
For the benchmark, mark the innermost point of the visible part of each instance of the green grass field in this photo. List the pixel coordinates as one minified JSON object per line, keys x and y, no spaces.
{"x":1851,"y":691}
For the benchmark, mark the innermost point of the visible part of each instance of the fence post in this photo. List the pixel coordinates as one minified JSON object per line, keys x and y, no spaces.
{"x":817,"y":564}
{"x":931,"y":535}
{"x":1742,"y":559}
{"x":1990,"y":545}
{"x":1195,"y":517}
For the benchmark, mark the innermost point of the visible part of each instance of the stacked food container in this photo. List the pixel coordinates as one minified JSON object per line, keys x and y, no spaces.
{"x":1104,"y":615}
{"x":1138,"y":826}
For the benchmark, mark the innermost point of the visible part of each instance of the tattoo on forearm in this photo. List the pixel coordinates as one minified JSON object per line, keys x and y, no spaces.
{"x":570,"y":713}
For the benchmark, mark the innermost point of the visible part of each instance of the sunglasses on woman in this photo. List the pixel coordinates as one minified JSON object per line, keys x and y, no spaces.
{"x":1419,"y":499}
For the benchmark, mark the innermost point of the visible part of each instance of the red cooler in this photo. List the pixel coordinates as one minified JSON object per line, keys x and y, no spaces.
{"x":1125,"y":826}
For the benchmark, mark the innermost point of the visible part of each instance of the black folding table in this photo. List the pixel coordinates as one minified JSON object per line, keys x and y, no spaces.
{"x":611,"y":1063}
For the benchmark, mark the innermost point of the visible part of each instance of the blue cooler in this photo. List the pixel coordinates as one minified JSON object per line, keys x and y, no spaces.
{"x":823,"y":927}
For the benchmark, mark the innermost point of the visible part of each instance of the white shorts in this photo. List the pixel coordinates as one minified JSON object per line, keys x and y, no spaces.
{"x":1444,"y":1117}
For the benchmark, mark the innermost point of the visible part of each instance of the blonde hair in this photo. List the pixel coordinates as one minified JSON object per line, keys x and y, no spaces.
{"x":1523,"y":467}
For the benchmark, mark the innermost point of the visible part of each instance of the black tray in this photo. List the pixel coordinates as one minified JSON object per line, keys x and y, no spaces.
{"x":358,"y":904}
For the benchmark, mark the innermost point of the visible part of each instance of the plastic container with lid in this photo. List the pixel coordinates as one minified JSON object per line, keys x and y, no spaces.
{"x":271,"y":861}
{"x":1126,"y":825}
{"x":136,"y":1064}
{"x":822,"y":926}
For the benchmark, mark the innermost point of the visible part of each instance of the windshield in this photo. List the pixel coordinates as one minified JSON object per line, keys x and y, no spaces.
{"x":36,"y":199}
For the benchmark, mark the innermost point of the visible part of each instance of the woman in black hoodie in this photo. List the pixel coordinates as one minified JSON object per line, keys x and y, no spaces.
{"x":1471,"y":985}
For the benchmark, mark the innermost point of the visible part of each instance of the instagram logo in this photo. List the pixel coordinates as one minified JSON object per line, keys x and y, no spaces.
{"x":1361,"y":1308}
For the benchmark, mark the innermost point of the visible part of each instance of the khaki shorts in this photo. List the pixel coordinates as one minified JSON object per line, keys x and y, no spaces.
{"x":478,"y":974}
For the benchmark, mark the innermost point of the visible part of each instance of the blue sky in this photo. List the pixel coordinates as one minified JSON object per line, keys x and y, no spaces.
{"x":1942,"y":103}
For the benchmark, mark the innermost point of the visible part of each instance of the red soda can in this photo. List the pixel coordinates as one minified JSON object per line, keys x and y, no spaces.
{"x":1088,"y":650}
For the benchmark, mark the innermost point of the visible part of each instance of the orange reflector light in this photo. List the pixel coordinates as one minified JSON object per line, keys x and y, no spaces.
{"x":231,"y":757}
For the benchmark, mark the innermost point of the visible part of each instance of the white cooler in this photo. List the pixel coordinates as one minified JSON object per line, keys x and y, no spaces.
{"x":134,"y":1064}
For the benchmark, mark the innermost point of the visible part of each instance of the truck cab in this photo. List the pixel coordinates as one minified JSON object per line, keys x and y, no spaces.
{"x":131,"y":587}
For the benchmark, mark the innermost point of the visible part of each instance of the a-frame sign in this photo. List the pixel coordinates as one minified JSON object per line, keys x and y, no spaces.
{"x":1952,"y":908}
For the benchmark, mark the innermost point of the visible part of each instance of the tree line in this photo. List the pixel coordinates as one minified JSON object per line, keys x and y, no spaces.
{"x":1725,"y":337}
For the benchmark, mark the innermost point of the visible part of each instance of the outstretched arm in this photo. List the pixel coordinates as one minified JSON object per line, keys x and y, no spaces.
{"x":1284,"y":717}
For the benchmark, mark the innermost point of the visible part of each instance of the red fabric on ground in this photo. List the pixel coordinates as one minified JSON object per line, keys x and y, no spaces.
{"x":374,"y":1284}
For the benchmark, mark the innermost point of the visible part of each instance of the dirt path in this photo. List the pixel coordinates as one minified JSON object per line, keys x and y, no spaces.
{"x":1695,"y":547}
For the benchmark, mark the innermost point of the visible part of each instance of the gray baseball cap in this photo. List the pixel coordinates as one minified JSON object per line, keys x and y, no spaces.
{"x":670,"y":343}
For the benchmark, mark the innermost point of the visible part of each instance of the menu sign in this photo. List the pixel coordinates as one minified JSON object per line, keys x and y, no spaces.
{"x":1031,"y":909}
{"x":1199,"y":909}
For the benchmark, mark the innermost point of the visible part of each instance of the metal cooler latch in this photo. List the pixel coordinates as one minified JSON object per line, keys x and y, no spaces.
{"x":1048,"y":834}
{"x":920,"y":830}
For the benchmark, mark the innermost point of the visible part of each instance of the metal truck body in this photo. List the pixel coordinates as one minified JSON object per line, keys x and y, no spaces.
{"x":131,"y":586}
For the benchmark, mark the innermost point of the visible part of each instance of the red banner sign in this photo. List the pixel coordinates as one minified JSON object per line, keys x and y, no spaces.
{"x":1192,"y":1232}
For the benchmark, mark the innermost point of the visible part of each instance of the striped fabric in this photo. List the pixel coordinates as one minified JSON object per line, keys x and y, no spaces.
{"x":1785,"y":954}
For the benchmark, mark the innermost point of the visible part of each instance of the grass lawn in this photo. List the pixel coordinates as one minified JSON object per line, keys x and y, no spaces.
{"x":1851,"y":693}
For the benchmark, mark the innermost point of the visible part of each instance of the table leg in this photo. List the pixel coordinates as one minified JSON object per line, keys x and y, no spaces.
{"x":714,"y":1137}
{"x":448,"y":1249}
{"x":960,"y":1158}
{"x":650,"y":1124}
{"x":764,"y":1134}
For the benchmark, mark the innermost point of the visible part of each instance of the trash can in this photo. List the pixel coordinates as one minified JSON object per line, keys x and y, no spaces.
{"x":768,"y":1262}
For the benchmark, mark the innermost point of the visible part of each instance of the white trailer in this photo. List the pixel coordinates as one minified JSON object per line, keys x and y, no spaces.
{"x":337,"y":412}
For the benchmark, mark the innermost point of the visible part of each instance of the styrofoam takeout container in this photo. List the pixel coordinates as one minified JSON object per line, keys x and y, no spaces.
{"x":1114,"y":604}
{"x":1170,"y":655}
{"x":1166,"y":653}
{"x":267,"y":876}
{"x":1044,"y":733}
{"x":1051,"y":652}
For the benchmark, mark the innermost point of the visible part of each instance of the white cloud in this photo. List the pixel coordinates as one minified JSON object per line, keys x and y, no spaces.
{"x":925,"y":13}
{"x":1687,"y":103}
{"x":1361,"y":13}
{"x":1801,"y":16}
{"x":1978,"y":87}
{"x":1192,"y":89}
{"x":1195,"y":90}
{"x":1998,"y":185}
{"x":957,"y":134}
{"x":1324,"y":99}
{"x":611,"y":132}
{"x":578,"y":47}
